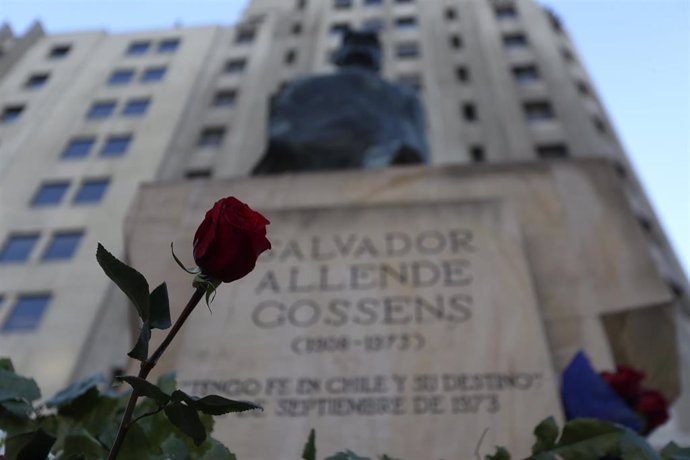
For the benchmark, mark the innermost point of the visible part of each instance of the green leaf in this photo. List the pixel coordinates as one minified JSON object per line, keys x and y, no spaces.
{"x":74,"y":391}
{"x":130,"y":281}
{"x":547,"y":435}
{"x":309,"y":452}
{"x":186,"y":419}
{"x":6,"y":364}
{"x":190,"y":270}
{"x":18,"y":408}
{"x":137,"y":446}
{"x":214,"y":404}
{"x":81,"y":443}
{"x":501,"y":454}
{"x":586,"y":438}
{"x":13,"y":387}
{"x":146,"y":388}
{"x":141,"y":349}
{"x":29,"y":446}
{"x":217,"y":451}
{"x":160,"y":308}
{"x":674,"y":452}
{"x":635,"y":447}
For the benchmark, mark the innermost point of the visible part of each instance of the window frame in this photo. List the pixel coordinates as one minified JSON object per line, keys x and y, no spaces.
{"x":52,"y":252}
{"x":100,"y":110}
{"x":25,"y":252}
{"x":115,"y":77}
{"x":153,"y":74}
{"x":116,"y":139}
{"x":138,"y":48}
{"x":91,"y":140}
{"x":50,"y":200}
{"x":36,"y":80}
{"x":136,"y":107}
{"x":81,"y":197}
{"x":35,"y":316}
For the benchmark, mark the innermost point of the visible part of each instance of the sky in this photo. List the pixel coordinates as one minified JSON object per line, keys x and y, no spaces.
{"x":636,"y":51}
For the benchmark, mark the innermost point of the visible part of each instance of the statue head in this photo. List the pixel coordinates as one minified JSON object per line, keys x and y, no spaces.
{"x":359,"y":49}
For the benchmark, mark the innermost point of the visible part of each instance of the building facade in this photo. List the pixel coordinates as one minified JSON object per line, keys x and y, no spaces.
{"x":85,"y":118}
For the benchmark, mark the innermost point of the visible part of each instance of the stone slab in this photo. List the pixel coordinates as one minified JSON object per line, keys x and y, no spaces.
{"x":400,"y":329}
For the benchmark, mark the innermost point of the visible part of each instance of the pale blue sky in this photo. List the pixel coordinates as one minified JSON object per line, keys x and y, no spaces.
{"x":637,"y":51}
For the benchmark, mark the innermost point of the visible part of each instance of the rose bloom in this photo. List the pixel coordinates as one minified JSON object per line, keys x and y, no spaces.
{"x":229,"y":240}
{"x":626,"y":381}
{"x":653,"y":406}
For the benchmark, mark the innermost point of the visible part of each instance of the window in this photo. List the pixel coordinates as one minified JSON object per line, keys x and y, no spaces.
{"x":136,"y":107}
{"x":225,"y":98}
{"x":412,"y":81}
{"x":296,"y":28}
{"x":516,"y":40}
{"x":245,"y":36}
{"x":212,"y":137}
{"x":91,"y":191}
{"x":121,"y":77}
{"x":26,"y":313}
{"x":301,"y":4}
{"x":567,"y":55}
{"x":168,"y":46}
{"x":469,"y":112}
{"x":477,"y":154}
{"x":407,"y":50}
{"x":116,"y":146}
{"x":524,"y":74}
{"x":407,"y":23}
{"x":342,"y":4}
{"x":290,"y":57}
{"x":339,"y":28}
{"x":506,"y":12}
{"x":78,"y":147}
{"x":463,"y":74}
{"x":198,"y":174}
{"x":404,"y":1}
{"x":138,"y":48}
{"x":547,"y":151}
{"x":451,"y":14}
{"x":373,"y":2}
{"x":18,"y":247}
{"x":456,"y":41}
{"x":11,"y":113}
{"x":538,"y":111}
{"x":50,"y":194}
{"x":36,"y":81}
{"x":153,"y":74}
{"x":582,"y":88}
{"x":59,"y":51}
{"x":101,"y":110}
{"x":373,"y":25}
{"x":235,"y":66}
{"x":599,"y":124}
{"x":63,"y":245}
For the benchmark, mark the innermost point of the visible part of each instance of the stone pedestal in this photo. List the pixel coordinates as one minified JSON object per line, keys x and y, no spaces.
{"x":405,"y":311}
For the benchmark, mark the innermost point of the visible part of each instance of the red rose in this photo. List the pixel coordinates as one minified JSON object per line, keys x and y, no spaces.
{"x":653,"y":406}
{"x":626,"y":382}
{"x":229,"y":240}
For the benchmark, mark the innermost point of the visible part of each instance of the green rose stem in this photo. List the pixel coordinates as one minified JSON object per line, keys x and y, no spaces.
{"x":148,"y":365}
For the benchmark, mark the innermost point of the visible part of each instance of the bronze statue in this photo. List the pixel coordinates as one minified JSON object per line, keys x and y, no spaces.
{"x":348,"y":120}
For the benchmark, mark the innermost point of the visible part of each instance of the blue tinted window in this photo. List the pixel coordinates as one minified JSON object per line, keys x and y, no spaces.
{"x":116,"y":145}
{"x":101,"y":110}
{"x":121,"y":77}
{"x":63,"y":245}
{"x":138,"y":48}
{"x":235,"y":66}
{"x":26,"y":313}
{"x":168,"y":46}
{"x":11,"y":113}
{"x":18,"y":248}
{"x":153,"y":74}
{"x":50,"y":194}
{"x":136,"y":107}
{"x":92,"y":191}
{"x":78,"y":147}
{"x":59,"y":51}
{"x":36,"y":81}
